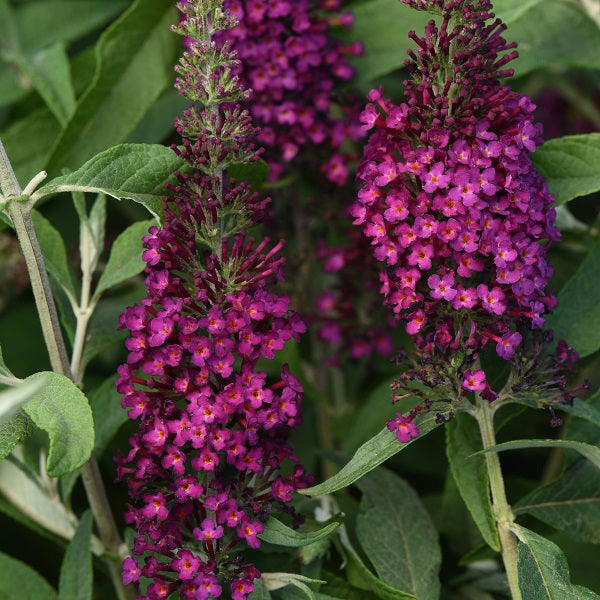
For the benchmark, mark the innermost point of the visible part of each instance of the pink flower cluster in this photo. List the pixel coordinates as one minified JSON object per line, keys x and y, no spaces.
{"x":203,"y":467}
{"x":292,"y":64}
{"x":451,"y":202}
{"x":348,"y":317}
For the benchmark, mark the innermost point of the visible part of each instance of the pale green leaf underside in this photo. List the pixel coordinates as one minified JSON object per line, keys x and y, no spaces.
{"x":61,"y":409}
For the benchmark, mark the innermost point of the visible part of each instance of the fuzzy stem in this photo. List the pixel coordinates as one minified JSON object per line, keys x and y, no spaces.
{"x":20,"y":214}
{"x":502,"y":510}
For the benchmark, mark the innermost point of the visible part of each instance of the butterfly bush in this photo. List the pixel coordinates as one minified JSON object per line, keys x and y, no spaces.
{"x":293,"y":64}
{"x":459,"y":218}
{"x":204,"y":468}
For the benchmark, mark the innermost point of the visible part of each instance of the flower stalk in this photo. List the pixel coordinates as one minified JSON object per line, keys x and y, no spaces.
{"x":20,"y":213}
{"x":484,"y":414}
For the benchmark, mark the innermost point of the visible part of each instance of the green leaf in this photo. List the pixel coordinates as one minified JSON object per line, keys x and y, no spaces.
{"x":13,"y":431}
{"x":376,"y":408}
{"x":398,"y":536}
{"x":370,"y":455}
{"x":9,"y":33}
{"x":62,"y":410}
{"x":41,"y":23}
{"x":510,"y":10}
{"x":13,"y":398}
{"x":255,"y":173}
{"x":28,"y":141}
{"x":134,"y":65}
{"x":383,"y":26}
{"x":135,"y":171}
{"x":277,"y":533}
{"x":543,"y":570}
{"x":107,"y":412}
{"x":570,"y":504}
{"x":592,"y":453}
{"x":260,"y":591}
{"x":276,"y":581}
{"x":125,"y":258}
{"x":570,"y":165}
{"x":360,"y":576}
{"x":55,"y":253}
{"x":91,"y":231}
{"x":4,"y":370}
{"x":102,"y":329}
{"x":545,"y":41}
{"x":49,"y":72}
{"x":20,"y":582}
{"x":11,"y":89}
{"x":30,"y":505}
{"x":76,"y":573}
{"x":576,"y":319}
{"x":470,"y":473}
{"x":583,"y":410}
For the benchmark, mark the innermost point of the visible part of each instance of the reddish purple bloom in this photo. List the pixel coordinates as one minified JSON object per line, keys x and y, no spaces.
{"x":403,"y":426}
{"x":474,"y":381}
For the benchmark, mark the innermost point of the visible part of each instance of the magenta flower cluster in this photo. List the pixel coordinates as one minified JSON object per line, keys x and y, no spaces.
{"x":203,"y":467}
{"x":451,"y":202}
{"x":348,"y":316}
{"x":204,"y":470}
{"x":292,"y":63}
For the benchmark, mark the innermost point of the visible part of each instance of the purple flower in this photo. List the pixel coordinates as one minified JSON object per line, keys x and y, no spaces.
{"x":506,"y":346}
{"x":474,"y":381}
{"x":403,"y":426}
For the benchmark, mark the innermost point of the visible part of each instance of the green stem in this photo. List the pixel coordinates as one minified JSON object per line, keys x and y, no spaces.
{"x":20,"y":214}
{"x":502,"y":510}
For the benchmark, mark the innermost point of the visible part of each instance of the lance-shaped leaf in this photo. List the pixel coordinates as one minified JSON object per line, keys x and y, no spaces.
{"x":398,"y":536}
{"x":55,"y":253}
{"x":12,"y":399}
{"x":125,"y":258}
{"x":577,"y":316}
{"x":543,"y":571}
{"x":134,"y":171}
{"x":571,"y":503}
{"x":14,"y":431}
{"x":361,"y":576}
{"x":570,"y":165}
{"x":22,"y":499}
{"x":61,"y":409}
{"x":76,"y":573}
{"x":20,"y":582}
{"x":41,"y":23}
{"x":49,"y":73}
{"x":278,"y":533}
{"x":134,"y":58}
{"x":592,"y":453}
{"x":470,"y":473}
{"x":369,"y":456}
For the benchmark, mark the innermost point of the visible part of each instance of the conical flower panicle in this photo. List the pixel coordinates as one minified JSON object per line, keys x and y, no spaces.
{"x":293,"y":64}
{"x":458,"y":216}
{"x":205,"y":467}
